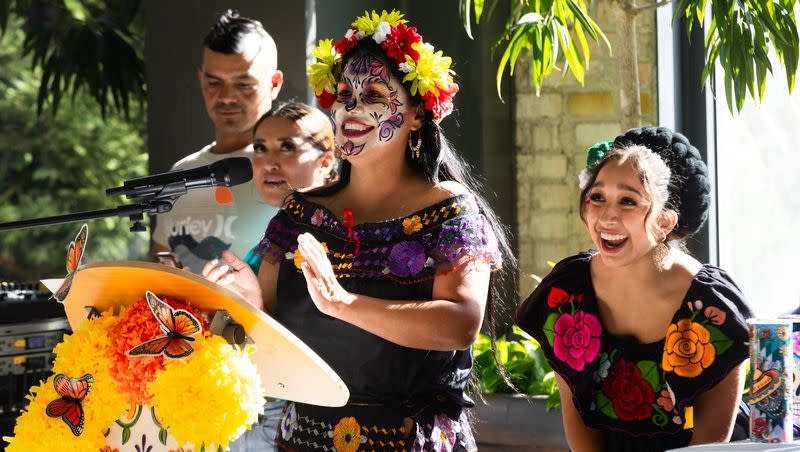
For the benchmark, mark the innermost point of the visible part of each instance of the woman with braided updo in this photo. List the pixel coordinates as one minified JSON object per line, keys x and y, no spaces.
{"x":648,"y":344}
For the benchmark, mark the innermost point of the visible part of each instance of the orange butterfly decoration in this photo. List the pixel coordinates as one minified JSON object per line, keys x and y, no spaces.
{"x":74,"y":256}
{"x":180,"y":326}
{"x":69,"y":406}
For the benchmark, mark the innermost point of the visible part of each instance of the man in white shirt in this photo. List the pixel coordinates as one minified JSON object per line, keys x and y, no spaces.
{"x":239,"y":80}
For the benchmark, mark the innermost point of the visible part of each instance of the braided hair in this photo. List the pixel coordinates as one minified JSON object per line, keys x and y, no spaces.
{"x":689,"y":186}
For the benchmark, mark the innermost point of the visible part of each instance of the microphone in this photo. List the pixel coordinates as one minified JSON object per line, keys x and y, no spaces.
{"x":226,"y":172}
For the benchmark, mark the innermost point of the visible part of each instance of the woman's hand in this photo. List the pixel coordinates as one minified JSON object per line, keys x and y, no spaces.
{"x":325,"y":290}
{"x":236,"y":275}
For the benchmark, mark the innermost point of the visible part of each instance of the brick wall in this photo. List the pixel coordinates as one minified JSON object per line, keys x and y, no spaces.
{"x":553,"y":132}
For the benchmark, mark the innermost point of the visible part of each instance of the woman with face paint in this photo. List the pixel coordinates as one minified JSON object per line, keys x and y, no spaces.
{"x":386,"y":273}
{"x":647,"y":343}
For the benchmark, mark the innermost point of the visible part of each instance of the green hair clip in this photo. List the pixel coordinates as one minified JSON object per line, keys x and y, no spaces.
{"x":596,"y":152}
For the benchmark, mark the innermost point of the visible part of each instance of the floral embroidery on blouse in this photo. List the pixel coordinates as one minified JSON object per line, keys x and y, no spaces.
{"x":407,"y":250}
{"x":412,"y":225}
{"x":573,"y":333}
{"x":692,"y":344}
{"x":347,"y":435}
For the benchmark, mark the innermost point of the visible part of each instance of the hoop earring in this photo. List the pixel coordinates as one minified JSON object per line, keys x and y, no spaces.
{"x":415,"y":147}
{"x":660,"y":255}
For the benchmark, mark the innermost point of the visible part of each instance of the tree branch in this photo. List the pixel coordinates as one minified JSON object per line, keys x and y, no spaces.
{"x":655,"y":5}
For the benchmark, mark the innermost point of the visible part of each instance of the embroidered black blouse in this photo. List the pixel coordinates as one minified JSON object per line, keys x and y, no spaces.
{"x":637,"y":394}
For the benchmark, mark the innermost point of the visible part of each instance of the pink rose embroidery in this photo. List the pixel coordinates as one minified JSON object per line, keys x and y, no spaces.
{"x":715,"y":315}
{"x":318,"y":217}
{"x":577,"y":339}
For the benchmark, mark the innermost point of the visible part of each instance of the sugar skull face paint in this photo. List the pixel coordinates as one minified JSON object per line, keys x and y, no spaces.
{"x":371,"y":107}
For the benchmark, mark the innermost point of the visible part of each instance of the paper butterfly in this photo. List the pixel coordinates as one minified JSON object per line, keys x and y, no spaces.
{"x":179,"y":327}
{"x":74,"y":255}
{"x":68,"y":407}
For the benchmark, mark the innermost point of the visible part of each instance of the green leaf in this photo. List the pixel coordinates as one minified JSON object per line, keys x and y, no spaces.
{"x":720,"y":341}
{"x":549,"y":327}
{"x":126,"y":435}
{"x":163,"y":435}
{"x":478,"y":4}
{"x":651,"y":374}
{"x":605,"y":405}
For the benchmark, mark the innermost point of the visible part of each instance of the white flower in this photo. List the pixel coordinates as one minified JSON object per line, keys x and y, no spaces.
{"x":583,"y":178}
{"x":360,"y":34}
{"x":427,"y":46}
{"x":349,"y":34}
{"x":405,"y":67}
{"x":381,"y":31}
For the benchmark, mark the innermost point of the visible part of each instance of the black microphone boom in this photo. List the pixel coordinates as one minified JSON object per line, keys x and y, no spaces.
{"x":154,"y":194}
{"x":226,"y":172}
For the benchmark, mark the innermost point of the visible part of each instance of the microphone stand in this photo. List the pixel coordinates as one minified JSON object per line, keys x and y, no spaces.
{"x":160,"y":200}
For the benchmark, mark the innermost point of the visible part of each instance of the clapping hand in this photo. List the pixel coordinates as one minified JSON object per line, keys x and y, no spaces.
{"x":326,"y":292}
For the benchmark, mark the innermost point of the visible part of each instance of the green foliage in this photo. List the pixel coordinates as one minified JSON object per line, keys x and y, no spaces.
{"x":525,"y":363}
{"x":60,"y":165}
{"x":553,"y":31}
{"x":740,"y":37}
{"x":83,"y":46}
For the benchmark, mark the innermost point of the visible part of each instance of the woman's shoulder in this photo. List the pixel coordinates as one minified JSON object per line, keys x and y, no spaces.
{"x":717,"y":287}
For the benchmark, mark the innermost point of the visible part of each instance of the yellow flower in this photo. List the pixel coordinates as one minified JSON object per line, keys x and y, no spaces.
{"x":324,"y":73}
{"x":347,"y":435}
{"x":368,"y":24}
{"x":429,"y":73}
{"x":412,"y":225}
{"x":221,"y":380}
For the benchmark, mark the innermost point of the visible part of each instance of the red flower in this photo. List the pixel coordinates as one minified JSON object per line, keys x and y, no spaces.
{"x":630,"y":394}
{"x":759,"y":427}
{"x":326,"y":99}
{"x":443,"y":105}
{"x":399,"y":42}
{"x":346,"y":43}
{"x":557,"y":297}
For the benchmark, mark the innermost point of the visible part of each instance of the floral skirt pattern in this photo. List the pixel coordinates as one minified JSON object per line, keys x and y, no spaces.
{"x":372,"y":428}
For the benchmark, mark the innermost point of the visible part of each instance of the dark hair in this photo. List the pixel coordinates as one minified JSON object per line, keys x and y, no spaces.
{"x":315,"y":124}
{"x":689,"y":190}
{"x":228,"y":34}
{"x":438,"y":162}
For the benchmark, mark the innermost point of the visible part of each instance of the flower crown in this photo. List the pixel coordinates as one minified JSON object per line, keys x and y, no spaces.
{"x":427,"y":70}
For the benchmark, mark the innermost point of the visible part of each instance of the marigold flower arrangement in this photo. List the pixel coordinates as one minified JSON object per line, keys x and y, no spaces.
{"x":426,"y":70}
{"x":209,"y":397}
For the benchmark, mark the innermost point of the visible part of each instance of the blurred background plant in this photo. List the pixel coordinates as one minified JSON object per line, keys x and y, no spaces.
{"x":55,"y":164}
{"x":524,"y":362}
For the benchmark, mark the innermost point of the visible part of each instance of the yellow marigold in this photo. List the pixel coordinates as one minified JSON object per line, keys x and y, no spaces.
{"x":211,"y":397}
{"x":323,"y":74}
{"x":430,"y":72}
{"x":83,"y":352}
{"x":368,"y":23}
{"x":412,"y":225}
{"x":299,"y":259}
{"x":687,"y":349}
{"x":347,"y":435}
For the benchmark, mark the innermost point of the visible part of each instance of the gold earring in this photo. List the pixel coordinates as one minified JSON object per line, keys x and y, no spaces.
{"x":660,"y":255}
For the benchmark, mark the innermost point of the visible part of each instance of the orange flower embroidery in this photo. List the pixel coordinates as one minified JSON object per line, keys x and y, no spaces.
{"x":108,"y":449}
{"x":412,"y":225}
{"x":347,"y":435}
{"x":687,"y":350}
{"x":715,"y":315}
{"x":180,"y":449}
{"x":299,"y":259}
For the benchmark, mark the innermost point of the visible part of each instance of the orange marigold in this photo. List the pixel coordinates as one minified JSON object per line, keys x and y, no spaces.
{"x":347,"y":435}
{"x":687,"y":349}
{"x":137,"y":325}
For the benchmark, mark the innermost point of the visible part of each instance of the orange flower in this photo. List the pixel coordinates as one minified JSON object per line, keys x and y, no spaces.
{"x":180,"y":449}
{"x":412,"y":225}
{"x":299,"y":259}
{"x":715,"y":315}
{"x":347,"y":435}
{"x":687,"y":350}
{"x":108,"y":449}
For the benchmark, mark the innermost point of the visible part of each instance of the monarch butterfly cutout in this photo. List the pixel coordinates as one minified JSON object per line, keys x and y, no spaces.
{"x":68,"y":407}
{"x":179,"y":327}
{"x":74,"y":256}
